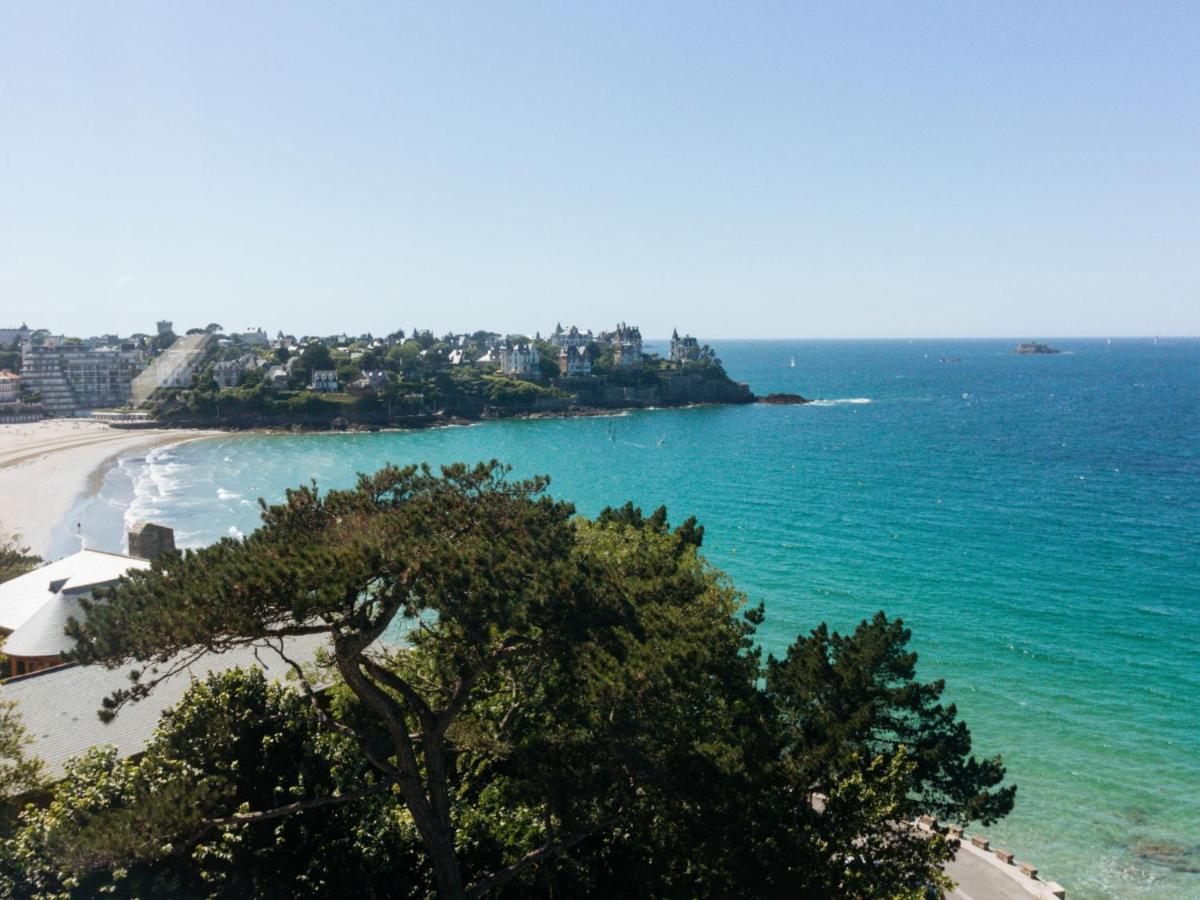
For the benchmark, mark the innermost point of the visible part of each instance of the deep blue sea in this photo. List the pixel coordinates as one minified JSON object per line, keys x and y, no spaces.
{"x":1034,"y":519}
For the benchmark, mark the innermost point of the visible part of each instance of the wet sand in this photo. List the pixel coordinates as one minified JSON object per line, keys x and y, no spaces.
{"x":46,"y":466}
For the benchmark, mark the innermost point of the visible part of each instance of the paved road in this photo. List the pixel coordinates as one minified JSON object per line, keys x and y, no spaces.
{"x":979,"y":879}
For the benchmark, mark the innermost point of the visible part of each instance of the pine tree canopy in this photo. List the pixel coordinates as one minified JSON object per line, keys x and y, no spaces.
{"x":515,"y":701}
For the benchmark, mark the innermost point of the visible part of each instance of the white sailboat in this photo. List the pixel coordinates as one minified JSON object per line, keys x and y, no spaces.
{"x":792,"y":364}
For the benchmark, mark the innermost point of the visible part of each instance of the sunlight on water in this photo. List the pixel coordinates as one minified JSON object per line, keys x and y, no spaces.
{"x":1036,"y":520}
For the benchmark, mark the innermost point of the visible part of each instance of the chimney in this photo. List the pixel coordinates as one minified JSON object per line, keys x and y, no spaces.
{"x":147,"y":540}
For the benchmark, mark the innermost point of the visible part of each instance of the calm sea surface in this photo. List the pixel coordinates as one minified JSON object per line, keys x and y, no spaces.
{"x":1035,"y":520}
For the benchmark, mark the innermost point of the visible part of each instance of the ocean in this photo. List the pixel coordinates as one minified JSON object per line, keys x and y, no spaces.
{"x":1034,"y":519}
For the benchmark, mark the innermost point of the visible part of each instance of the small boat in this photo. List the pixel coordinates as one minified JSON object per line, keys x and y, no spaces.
{"x":792,"y":364}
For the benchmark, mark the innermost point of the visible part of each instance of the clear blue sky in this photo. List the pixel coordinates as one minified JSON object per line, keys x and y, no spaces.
{"x":737,"y":170}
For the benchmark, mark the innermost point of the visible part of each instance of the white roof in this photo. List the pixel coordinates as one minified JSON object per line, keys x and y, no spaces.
{"x":44,"y":633}
{"x":59,"y":707}
{"x":22,"y":597}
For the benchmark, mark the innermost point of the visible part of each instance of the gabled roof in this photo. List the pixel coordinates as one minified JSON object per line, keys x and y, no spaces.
{"x":22,"y":597}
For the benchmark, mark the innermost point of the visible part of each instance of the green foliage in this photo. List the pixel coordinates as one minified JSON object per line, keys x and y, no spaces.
{"x":501,"y":390}
{"x":15,"y":558}
{"x":161,"y":342}
{"x":690,"y":533}
{"x":579,"y":710}
{"x":845,"y":697}
{"x":176,"y":820}
{"x":19,"y":773}
{"x":10,"y":358}
{"x":888,"y":860}
{"x":314,"y":357}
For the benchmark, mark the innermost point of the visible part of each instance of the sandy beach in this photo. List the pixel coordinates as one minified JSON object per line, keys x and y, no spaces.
{"x":45,"y":467}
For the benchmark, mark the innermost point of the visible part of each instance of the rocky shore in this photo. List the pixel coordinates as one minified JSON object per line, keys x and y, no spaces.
{"x":783,"y":399}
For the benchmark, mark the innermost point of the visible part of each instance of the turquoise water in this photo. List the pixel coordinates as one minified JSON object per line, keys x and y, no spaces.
{"x":1036,"y":520}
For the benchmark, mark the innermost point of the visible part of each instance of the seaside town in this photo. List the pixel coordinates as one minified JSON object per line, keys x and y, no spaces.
{"x":502,"y":451}
{"x":74,"y":402}
{"x":214,"y":378}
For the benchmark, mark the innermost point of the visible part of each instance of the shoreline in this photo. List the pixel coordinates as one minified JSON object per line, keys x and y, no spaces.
{"x":47,"y":467}
{"x":434,"y":421}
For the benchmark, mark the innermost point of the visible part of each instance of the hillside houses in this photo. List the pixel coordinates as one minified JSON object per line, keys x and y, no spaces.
{"x":324,"y":381}
{"x":574,"y":361}
{"x":626,"y":343}
{"x":684,"y":349}
{"x":571,"y":338}
{"x":520,"y":360}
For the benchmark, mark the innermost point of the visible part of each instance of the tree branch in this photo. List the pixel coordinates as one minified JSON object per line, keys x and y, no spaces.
{"x":363,"y":744}
{"x":279,"y":812}
{"x":479,"y":888}
{"x":402,"y":687}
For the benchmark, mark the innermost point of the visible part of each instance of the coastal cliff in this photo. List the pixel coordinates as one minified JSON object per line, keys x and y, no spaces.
{"x":446,"y":401}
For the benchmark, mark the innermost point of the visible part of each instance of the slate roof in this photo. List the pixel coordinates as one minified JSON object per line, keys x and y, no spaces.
{"x":59,"y":706}
{"x":22,"y":597}
{"x":44,"y":633}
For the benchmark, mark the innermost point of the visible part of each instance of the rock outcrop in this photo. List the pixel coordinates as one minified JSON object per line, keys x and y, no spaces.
{"x":1032,"y":348}
{"x":784,"y":399}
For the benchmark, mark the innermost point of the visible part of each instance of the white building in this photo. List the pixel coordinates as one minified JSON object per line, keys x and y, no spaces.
{"x":71,"y":377}
{"x":571,"y":337}
{"x":34,"y":607}
{"x":324,"y":380}
{"x":684,"y":349}
{"x":520,"y":360}
{"x":277,"y":377}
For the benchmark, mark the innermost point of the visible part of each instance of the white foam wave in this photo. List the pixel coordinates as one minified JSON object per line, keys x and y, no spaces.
{"x":155,"y":480}
{"x":842,"y":401}
{"x":223,"y":494}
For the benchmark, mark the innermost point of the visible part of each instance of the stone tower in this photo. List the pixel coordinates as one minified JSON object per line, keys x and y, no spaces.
{"x":147,"y":540}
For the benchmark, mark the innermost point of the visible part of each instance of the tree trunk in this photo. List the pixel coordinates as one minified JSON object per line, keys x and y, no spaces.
{"x":446,"y":872}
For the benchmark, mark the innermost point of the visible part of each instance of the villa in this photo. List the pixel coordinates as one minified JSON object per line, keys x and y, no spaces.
{"x":574,"y":361}
{"x":571,"y":337}
{"x":520,"y":360}
{"x":627,"y":346}
{"x":684,"y":349}
{"x":228,"y":374}
{"x":324,"y":381}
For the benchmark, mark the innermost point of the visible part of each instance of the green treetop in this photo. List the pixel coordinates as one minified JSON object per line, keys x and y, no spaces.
{"x":578,"y":709}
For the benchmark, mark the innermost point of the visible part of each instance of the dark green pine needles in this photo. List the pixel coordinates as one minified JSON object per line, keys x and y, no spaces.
{"x":578,"y":708}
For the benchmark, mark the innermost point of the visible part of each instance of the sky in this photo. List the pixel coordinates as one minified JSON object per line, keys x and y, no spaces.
{"x":761,"y":169}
